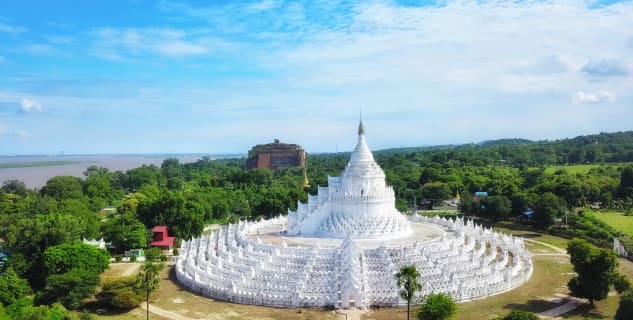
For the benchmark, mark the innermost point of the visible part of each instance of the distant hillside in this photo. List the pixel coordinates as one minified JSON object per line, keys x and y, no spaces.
{"x":501,"y":142}
{"x":595,"y":148}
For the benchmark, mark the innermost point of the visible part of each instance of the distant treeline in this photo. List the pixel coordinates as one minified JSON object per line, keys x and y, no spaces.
{"x":597,"y":148}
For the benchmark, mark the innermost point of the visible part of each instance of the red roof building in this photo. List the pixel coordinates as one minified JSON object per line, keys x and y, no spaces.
{"x":161,"y":239}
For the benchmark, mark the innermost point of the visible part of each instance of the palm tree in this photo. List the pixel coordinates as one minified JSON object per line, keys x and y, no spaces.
{"x":149,"y":279}
{"x":408,"y":280}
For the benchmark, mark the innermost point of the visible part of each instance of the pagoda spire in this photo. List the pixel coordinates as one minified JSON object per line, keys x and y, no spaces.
{"x":361,"y":128}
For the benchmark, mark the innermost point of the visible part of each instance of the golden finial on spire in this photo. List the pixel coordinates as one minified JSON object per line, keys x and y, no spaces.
{"x":305,"y":179}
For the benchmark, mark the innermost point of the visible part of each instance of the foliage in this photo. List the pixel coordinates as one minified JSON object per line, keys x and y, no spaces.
{"x":185,"y":218}
{"x":595,"y":268}
{"x":153,"y":254}
{"x":408,"y":280}
{"x":435,"y":191}
{"x":625,"y":309}
{"x":69,"y":288}
{"x":521,"y":315}
{"x":125,"y":232}
{"x":122,"y":293}
{"x":548,"y":206}
{"x":149,"y":276}
{"x":621,"y":282}
{"x":495,"y":207}
{"x":437,"y":306}
{"x":64,"y":257}
{"x":63,"y":187}
{"x":12,"y":287}
{"x":23,"y":309}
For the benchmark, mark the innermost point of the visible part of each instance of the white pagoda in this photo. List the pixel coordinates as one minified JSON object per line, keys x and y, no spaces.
{"x":359,"y":203}
{"x":343,"y":248}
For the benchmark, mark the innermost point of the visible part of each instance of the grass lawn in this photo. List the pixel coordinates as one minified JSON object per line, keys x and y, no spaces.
{"x":576,"y":168}
{"x":549,"y":281}
{"x":36,"y":164}
{"x":528,"y":234}
{"x":616,"y":220}
{"x":550,"y":277}
{"x":170,"y":296}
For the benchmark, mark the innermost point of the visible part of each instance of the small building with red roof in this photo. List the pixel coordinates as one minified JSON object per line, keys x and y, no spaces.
{"x":161,"y":239}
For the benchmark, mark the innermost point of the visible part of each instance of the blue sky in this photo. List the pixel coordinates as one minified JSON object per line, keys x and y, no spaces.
{"x":220,"y":76}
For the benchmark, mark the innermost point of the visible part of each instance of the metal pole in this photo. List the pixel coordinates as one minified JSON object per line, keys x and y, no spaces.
{"x":147,"y":292}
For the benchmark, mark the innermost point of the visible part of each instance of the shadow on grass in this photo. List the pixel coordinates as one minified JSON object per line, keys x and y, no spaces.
{"x":96,"y":307}
{"x":586,"y":311}
{"x":533,"y":305}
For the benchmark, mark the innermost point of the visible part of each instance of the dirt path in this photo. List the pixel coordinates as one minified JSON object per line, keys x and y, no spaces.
{"x":167,"y":314}
{"x":559,"y":251}
{"x":352,"y":314}
{"x":572,"y":302}
{"x":132,"y":269}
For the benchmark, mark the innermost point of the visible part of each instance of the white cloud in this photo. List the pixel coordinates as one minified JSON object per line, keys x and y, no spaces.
{"x":264,"y":5}
{"x":40,"y":49}
{"x":180,"y":48}
{"x":594,"y":97}
{"x":131,"y":43}
{"x":6,"y":131}
{"x":7,"y":28}
{"x":28,"y":105}
{"x":21,"y":133}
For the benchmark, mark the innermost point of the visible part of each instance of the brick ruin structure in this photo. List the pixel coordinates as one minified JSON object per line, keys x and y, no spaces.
{"x":276,"y":156}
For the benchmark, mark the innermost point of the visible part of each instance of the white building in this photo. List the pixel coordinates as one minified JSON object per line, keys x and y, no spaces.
{"x":344,"y":247}
{"x":359,"y":203}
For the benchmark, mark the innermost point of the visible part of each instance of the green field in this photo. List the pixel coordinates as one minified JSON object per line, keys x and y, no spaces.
{"x":578,"y":168}
{"x":616,"y":220}
{"x":36,"y":164}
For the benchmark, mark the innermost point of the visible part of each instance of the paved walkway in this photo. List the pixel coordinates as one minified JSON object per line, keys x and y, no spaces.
{"x":570,"y":305}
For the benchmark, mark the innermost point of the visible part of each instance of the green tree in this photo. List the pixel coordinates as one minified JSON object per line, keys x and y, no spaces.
{"x":125,"y":232}
{"x":547,"y":207}
{"x":436,"y":192}
{"x":154,"y":255}
{"x":16,"y":187}
{"x":64,"y":257}
{"x":408,"y":281}
{"x":595,"y":267}
{"x":69,"y":288}
{"x":521,"y":315}
{"x":63,"y":187}
{"x":437,"y":306}
{"x":24,"y":309}
{"x":121,"y":293}
{"x":625,"y":309}
{"x":148,"y":279}
{"x":12,"y":287}
{"x":173,"y":209}
{"x":496,"y":207}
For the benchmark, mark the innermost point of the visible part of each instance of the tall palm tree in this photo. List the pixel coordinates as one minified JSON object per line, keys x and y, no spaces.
{"x":408,"y":282}
{"x":149,"y":279}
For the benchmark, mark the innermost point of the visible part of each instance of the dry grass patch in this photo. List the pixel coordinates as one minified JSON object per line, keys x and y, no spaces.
{"x":117,"y":270}
{"x":171,"y":296}
{"x":549,"y":279}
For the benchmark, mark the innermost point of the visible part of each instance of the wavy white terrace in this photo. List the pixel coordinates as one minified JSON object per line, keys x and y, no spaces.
{"x":344,"y":248}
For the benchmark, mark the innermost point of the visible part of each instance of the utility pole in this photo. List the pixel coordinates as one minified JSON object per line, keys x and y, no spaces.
{"x":147,"y":292}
